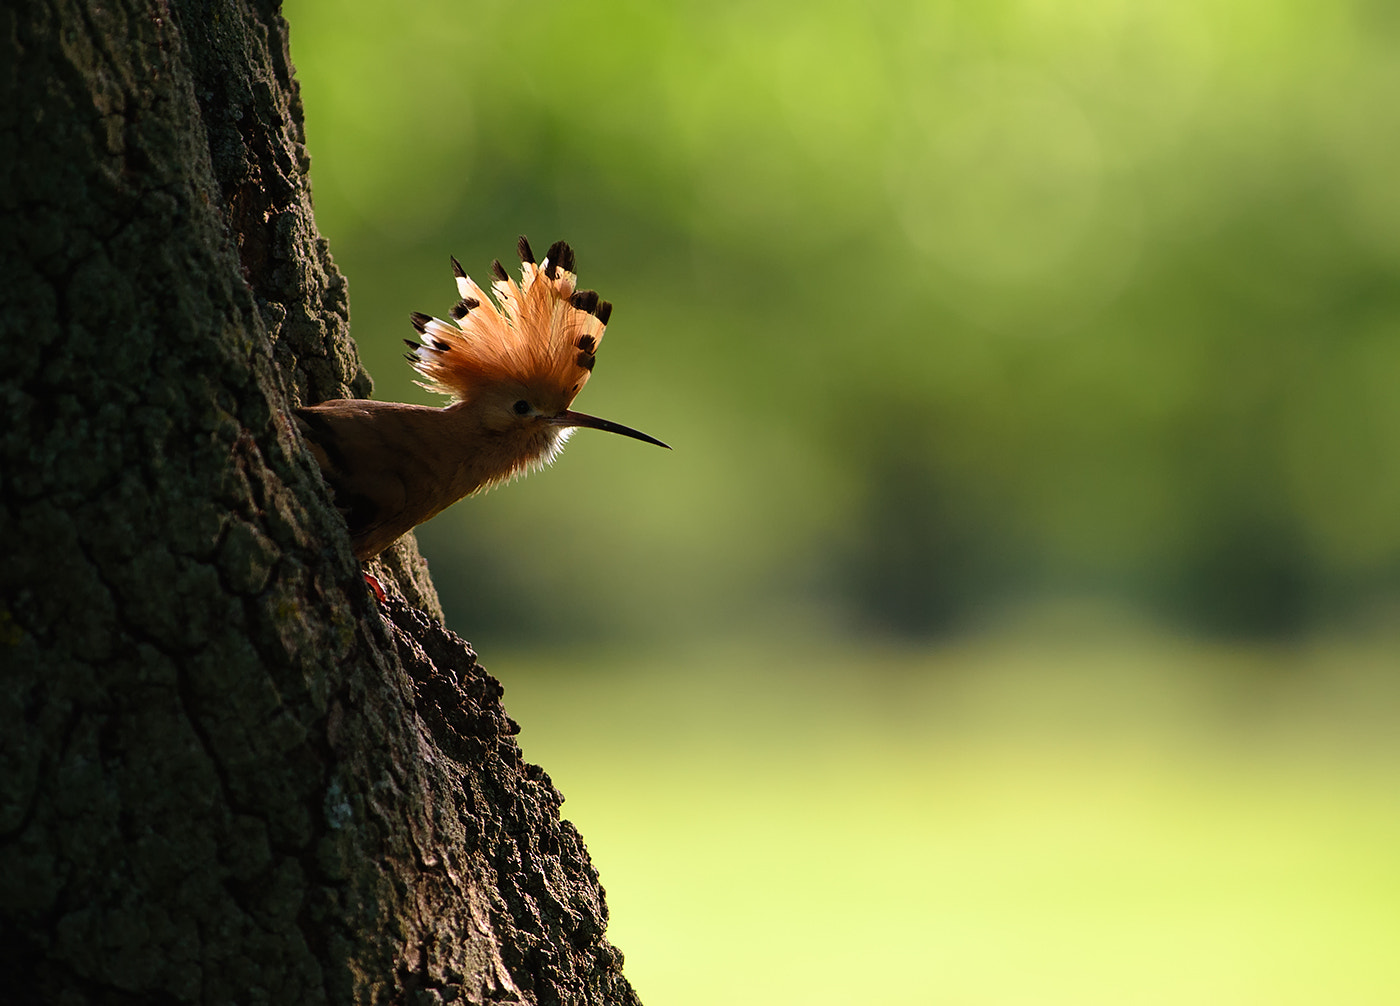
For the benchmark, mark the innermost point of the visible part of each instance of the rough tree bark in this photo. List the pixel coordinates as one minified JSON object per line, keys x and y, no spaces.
{"x":226,"y":775}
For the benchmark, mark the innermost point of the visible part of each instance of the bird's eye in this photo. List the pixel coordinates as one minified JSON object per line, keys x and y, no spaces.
{"x":521,"y":407}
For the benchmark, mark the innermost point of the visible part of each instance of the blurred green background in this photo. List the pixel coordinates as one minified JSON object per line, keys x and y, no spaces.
{"x":1017,"y":619}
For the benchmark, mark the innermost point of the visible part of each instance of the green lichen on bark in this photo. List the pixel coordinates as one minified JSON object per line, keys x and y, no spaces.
{"x":225,"y":773}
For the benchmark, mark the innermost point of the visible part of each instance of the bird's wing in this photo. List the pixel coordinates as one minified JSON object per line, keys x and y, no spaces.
{"x":347,"y":438}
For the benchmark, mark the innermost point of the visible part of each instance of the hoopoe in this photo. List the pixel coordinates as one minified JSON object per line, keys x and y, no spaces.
{"x":513,"y":367}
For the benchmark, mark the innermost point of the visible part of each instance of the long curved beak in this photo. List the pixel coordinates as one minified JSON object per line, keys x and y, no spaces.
{"x":567,"y":418}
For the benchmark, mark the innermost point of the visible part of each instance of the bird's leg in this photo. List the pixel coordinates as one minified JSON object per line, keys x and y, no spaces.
{"x":378,"y":589}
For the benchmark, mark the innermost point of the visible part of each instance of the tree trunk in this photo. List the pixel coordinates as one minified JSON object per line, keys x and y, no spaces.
{"x":226,"y":773}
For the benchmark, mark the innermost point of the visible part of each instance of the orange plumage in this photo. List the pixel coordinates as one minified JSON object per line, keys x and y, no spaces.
{"x":513,"y":367}
{"x":545,"y":330}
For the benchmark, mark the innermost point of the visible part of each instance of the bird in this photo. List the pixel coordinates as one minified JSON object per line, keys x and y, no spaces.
{"x":512,"y":366}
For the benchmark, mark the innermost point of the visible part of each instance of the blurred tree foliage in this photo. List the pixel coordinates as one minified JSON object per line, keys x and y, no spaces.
{"x":943,"y":304}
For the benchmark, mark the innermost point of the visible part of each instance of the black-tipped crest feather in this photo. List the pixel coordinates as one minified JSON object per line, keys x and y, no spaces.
{"x":560,"y":256}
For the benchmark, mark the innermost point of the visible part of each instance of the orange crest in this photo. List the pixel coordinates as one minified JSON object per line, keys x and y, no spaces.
{"x":540,"y":332}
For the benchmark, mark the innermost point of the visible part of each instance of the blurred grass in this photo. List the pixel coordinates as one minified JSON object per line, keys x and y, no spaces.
{"x":1031,"y":820}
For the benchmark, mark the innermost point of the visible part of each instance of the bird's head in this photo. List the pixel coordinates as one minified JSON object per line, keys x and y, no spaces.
{"x":519,"y":362}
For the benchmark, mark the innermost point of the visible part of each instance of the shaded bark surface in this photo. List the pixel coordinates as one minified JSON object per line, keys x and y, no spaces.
{"x":226,"y":774}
